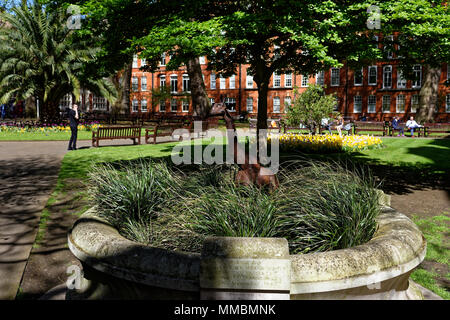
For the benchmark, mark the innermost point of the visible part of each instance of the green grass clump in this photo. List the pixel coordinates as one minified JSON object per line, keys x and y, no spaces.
{"x":317,"y":207}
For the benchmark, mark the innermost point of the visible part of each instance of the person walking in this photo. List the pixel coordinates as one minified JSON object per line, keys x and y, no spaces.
{"x":73,"y":119}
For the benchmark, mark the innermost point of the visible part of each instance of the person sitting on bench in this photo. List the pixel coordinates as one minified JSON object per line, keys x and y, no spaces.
{"x":396,"y":126}
{"x":411,"y":124}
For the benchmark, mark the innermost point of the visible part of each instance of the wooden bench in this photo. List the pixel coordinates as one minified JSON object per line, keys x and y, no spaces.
{"x":333,"y":127}
{"x":253,"y":124}
{"x":371,"y":126}
{"x":112,"y":133}
{"x":436,"y":128}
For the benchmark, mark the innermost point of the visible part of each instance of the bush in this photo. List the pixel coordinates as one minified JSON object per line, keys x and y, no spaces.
{"x":317,"y":207}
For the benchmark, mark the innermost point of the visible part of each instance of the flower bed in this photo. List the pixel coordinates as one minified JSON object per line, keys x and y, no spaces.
{"x":326,"y":143}
{"x":47,"y":128}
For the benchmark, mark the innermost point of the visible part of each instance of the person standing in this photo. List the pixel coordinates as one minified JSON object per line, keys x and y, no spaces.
{"x":73,"y":119}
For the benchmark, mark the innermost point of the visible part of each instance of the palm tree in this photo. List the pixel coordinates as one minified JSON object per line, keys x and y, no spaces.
{"x":41,"y":57}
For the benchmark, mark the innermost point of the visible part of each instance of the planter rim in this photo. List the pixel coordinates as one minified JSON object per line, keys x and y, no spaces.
{"x":396,"y":248}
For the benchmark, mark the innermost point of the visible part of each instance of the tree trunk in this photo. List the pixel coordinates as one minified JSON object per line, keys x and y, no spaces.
{"x":261,"y":124}
{"x":200,"y":100}
{"x":428,"y":94}
{"x":126,"y":87}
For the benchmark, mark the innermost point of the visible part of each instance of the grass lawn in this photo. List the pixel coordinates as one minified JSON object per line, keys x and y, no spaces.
{"x":401,"y":155}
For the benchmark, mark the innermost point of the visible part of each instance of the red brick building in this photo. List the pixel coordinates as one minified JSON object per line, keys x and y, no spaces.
{"x":379,"y":92}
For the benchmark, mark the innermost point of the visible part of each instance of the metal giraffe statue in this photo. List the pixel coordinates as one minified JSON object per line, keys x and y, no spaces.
{"x":250,"y":172}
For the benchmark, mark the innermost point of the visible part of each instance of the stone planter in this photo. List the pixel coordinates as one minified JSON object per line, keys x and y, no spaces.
{"x":247,"y":268}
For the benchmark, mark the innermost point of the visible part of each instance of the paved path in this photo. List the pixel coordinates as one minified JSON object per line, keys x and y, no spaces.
{"x":28,"y":174}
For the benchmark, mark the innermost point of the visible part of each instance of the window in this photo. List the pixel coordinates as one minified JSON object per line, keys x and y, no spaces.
{"x":162,"y":106}
{"x":401,"y":81}
{"x":417,"y":82}
{"x":212,"y":101}
{"x":249,"y":104}
{"x":372,"y":75}
{"x":387,"y":76}
{"x":249,"y":81}
{"x":186,"y":83}
{"x":162,"y":62}
{"x":304,"y":80}
{"x":415,"y":103}
{"x":144,"y":83}
{"x":334,"y":77}
{"x":358,"y":81}
{"x":144,"y":105}
{"x":372,"y":104}
{"x":135,"y":105}
{"x":288,"y":80}
{"x":276,"y":80}
{"x":447,"y":103}
{"x":276,"y":104}
{"x":173,"y":105}
{"x":134,"y":84}
{"x":143,"y":62}
{"x":202,"y":60}
{"x":230,"y":103}
{"x":222,"y":83}
{"x":212,"y":81}
{"x":336,"y":106}
{"x":135,"y":61}
{"x":386,"y":104}
{"x":233,"y":82}
{"x":185,"y":106}
{"x":66,"y":101}
{"x":173,"y":83}
{"x":162,"y":82}
{"x":400,"y":104}
{"x":357,"y":104}
{"x":389,"y":46}
{"x":320,"y":78}
{"x":375,"y":41}
{"x":287,"y":103}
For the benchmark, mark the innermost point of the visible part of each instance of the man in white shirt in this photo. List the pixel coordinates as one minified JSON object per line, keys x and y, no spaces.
{"x":411,"y":124}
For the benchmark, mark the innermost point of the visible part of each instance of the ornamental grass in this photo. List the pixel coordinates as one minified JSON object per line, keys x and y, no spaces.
{"x":318,"y":207}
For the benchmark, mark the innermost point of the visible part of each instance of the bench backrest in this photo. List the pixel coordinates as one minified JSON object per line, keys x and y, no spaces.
{"x":369,"y":124}
{"x":118,"y":132}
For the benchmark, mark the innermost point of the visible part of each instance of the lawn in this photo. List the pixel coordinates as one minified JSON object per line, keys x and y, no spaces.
{"x":402,"y":156}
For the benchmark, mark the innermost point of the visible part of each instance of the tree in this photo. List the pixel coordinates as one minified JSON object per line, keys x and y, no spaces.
{"x":423,"y":29}
{"x":310,"y":107}
{"x":40,"y":57}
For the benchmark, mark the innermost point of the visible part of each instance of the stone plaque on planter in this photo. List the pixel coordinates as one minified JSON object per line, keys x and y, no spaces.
{"x":245,"y":268}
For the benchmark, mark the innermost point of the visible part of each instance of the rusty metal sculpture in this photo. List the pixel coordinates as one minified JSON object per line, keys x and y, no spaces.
{"x":251,"y":171}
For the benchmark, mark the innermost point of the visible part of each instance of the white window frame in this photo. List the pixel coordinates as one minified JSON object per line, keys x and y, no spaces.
{"x":212,"y":81}
{"x":335,"y":84}
{"x":357,"y":103}
{"x":173,"y":80}
{"x":134,"y":84}
{"x":222,"y":83}
{"x":376,"y":75}
{"x":162,"y":61}
{"x":143,"y":62}
{"x":249,"y":104}
{"x":212,"y":101}
{"x":387,"y":70}
{"x":173,"y":102}
{"x":288,"y":80}
{"x":162,"y":81}
{"x":371,"y":103}
{"x":202,"y":60}
{"x":305,"y":81}
{"x":144,"y":105}
{"x":249,"y":82}
{"x":162,"y":103}
{"x":390,"y":54}
{"x":143,"y":83}
{"x":186,"y":83}
{"x":185,"y":106}
{"x":287,"y":103}
{"x":229,"y":100}
{"x":417,"y":83}
{"x":276,"y":105}
{"x":233,"y":82}
{"x":383,"y":104}
{"x":276,"y":80}
{"x":401,"y":98}
{"x":401,"y":81}
{"x":135,"y":105}
{"x":66,"y":101}
{"x":135,"y":61}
